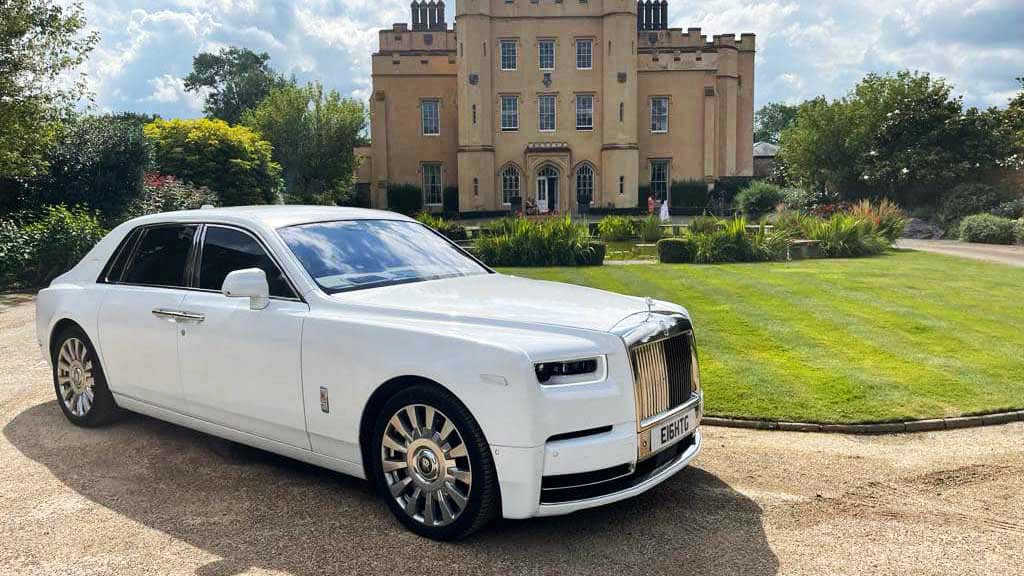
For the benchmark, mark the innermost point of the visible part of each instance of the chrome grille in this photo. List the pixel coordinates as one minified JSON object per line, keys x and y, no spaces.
{"x":663,"y":373}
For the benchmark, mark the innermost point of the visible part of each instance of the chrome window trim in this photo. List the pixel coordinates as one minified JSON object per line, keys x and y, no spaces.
{"x":199,"y":260}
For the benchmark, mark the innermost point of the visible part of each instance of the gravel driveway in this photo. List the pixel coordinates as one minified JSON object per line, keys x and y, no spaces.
{"x":145,"y":497}
{"x":1012,"y":255}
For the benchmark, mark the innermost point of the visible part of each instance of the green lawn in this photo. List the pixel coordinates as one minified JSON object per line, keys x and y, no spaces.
{"x":905,"y":335}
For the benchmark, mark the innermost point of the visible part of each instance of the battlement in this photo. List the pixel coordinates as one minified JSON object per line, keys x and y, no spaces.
{"x":692,"y":40}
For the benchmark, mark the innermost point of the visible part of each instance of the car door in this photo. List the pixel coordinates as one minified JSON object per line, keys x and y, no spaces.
{"x":142,"y":291}
{"x":240,"y":367}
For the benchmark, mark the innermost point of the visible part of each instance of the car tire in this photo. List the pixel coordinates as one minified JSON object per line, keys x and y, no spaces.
{"x":429,"y":451}
{"x":79,"y":381}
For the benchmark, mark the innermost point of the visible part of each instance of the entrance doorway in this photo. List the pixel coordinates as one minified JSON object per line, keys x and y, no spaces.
{"x":547,"y":189}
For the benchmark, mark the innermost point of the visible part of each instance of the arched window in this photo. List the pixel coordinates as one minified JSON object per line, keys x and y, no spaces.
{"x":509,"y":184}
{"x":584,"y":184}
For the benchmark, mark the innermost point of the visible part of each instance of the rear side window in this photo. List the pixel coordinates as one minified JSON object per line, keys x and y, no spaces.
{"x":226,"y":250}
{"x":161,"y":257}
{"x":115,"y":268}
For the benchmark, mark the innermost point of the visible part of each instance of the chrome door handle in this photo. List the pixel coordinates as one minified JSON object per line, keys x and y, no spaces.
{"x":178,"y":315}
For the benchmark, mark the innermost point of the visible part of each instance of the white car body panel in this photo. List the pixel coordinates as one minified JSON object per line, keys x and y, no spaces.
{"x":255,"y":376}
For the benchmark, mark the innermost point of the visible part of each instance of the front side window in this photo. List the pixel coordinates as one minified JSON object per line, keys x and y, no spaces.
{"x":509,"y":55}
{"x":546,"y":54}
{"x":431,"y":117}
{"x":346,"y":255}
{"x":659,"y":178}
{"x":509,"y":113}
{"x":161,"y":257}
{"x":584,"y":184}
{"x":432,"y":184}
{"x":546,"y":113}
{"x":509,"y":184}
{"x":659,"y":114}
{"x":226,"y":250}
{"x":584,"y":112}
{"x":584,"y":54}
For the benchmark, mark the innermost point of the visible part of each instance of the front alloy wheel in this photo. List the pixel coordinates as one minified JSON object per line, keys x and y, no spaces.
{"x":433,"y":465}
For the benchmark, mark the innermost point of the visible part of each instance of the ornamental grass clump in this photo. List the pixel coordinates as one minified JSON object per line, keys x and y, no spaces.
{"x":614,"y":228}
{"x":447,"y":228}
{"x":649,"y":228}
{"x":521,"y":242}
{"x":729,"y":241}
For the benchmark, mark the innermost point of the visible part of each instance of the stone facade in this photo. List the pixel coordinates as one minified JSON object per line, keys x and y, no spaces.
{"x":566,"y":100}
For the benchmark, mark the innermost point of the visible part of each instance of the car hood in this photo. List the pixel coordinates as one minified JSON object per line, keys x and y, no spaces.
{"x":505,"y":298}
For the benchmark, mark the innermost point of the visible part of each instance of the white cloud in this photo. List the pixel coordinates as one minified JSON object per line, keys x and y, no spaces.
{"x":169,"y":89}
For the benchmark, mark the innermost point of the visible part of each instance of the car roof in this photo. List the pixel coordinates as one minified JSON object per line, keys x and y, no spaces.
{"x":270,"y":216}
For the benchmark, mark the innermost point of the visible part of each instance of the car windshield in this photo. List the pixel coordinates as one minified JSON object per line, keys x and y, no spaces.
{"x":353,"y":254}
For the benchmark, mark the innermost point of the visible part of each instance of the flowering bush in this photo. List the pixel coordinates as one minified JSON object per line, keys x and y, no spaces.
{"x":165,"y":193}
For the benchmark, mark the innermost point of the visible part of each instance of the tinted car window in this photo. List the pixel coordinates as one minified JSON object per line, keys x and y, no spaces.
{"x":226,"y":250}
{"x":115,"y":268}
{"x":161,"y":256}
{"x":355,"y":254}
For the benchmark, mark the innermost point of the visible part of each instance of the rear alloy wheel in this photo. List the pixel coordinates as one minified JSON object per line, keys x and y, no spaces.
{"x":79,"y":381}
{"x":433,"y":465}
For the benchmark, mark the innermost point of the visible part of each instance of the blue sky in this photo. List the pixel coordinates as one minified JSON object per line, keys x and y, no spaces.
{"x":805,"y":48}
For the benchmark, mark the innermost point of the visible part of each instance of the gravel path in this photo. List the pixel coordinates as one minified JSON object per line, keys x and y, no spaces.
{"x":1013,"y":255}
{"x":145,"y":497}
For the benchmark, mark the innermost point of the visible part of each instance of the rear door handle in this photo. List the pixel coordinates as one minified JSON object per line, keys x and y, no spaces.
{"x":178,"y":315}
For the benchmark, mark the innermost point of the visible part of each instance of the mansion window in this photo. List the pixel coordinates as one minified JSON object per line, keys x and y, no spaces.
{"x":659,"y":114}
{"x":659,"y":179}
{"x":432,"y":185}
{"x":509,"y":184}
{"x":509,"y":113}
{"x":584,"y":111}
{"x":584,"y":54}
{"x":509,"y":55}
{"x":584,"y":184}
{"x":547,"y":55}
{"x":430,"y":117}
{"x":546,"y":113}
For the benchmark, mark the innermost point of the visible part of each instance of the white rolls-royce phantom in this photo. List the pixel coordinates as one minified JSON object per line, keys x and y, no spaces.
{"x":367,"y":343}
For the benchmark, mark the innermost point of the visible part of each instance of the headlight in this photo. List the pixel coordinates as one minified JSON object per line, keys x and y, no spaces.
{"x":574,"y":371}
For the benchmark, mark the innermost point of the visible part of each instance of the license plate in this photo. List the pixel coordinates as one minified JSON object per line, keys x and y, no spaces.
{"x":673,"y":431}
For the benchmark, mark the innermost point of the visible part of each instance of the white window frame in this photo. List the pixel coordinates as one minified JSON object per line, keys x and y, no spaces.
{"x":540,"y":112}
{"x":579,"y":98}
{"x":540,"y":54}
{"x":508,"y":174}
{"x":427,"y":187}
{"x":654,"y":119}
{"x":588,"y":54}
{"x":514,"y":55}
{"x":436,"y":104}
{"x":668,"y":177}
{"x":515,"y":113}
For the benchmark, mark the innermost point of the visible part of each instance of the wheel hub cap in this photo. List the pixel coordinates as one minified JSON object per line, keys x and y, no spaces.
{"x":74,"y":377}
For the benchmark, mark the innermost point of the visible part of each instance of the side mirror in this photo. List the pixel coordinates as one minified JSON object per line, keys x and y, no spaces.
{"x":249,"y":283}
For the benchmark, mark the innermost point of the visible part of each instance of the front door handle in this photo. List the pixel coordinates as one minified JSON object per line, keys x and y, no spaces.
{"x":178,"y":315}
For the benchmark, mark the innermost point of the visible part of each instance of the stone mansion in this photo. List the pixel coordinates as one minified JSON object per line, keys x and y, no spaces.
{"x":555,"y":103}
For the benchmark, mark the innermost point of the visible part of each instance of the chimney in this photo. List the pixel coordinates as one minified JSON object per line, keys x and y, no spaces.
{"x":664,"y":14}
{"x":414,"y":7}
{"x":440,"y":15}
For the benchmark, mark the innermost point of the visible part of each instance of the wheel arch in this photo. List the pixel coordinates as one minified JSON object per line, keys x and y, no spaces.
{"x":58,"y":328}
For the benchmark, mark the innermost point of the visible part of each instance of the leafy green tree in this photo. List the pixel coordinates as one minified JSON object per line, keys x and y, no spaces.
{"x":233,"y":80}
{"x":40,"y":43}
{"x":98,"y":161}
{"x":314,"y":134}
{"x":772,"y":119}
{"x":233,"y":161}
{"x":819,"y":149}
{"x":1014,"y":118}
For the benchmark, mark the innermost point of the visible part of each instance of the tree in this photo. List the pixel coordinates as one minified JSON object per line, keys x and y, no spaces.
{"x":98,"y":161}
{"x":313,"y":134}
{"x":233,"y":161}
{"x":41,"y":43}
{"x":772,"y":119}
{"x":1014,"y":118}
{"x":233,"y":80}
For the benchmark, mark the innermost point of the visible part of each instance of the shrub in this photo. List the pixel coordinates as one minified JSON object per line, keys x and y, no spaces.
{"x":405,"y":198}
{"x":649,"y":228}
{"x":886,"y":218}
{"x":449,"y":229}
{"x":36,"y":253}
{"x":521,"y":242}
{"x":612,"y":228}
{"x":798,"y":199}
{"x":233,"y":161}
{"x":594,"y":255}
{"x":759,"y":197}
{"x":642,"y":192}
{"x":988,"y":229}
{"x":1018,"y":230}
{"x":704,"y":224}
{"x":688,"y":194}
{"x":844,"y":236}
{"x":451,"y":200}
{"x":166,"y":193}
{"x":966,"y":199}
{"x":675,"y":250}
{"x":1012,"y":209}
